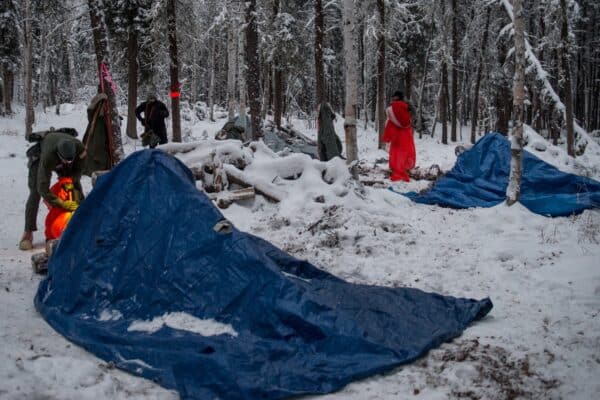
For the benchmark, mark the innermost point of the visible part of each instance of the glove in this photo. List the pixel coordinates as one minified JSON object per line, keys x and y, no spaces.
{"x":69,"y":205}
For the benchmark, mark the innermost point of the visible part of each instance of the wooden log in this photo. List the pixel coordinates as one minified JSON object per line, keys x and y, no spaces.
{"x":266,"y":189}
{"x":225,"y":199}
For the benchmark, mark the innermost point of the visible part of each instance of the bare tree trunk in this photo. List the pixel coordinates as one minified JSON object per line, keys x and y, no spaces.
{"x":365,"y":74}
{"x":513,"y":191}
{"x":381,"y":71}
{"x":420,"y":124}
{"x":102,"y":58}
{"x":319,"y":68}
{"x":454,"y":78}
{"x":8,"y":79}
{"x":174,"y":69}
{"x":564,"y":34}
{"x":242,"y":81}
{"x":231,"y":68}
{"x":132,"y":74}
{"x":475,"y":109}
{"x":351,"y":67}
{"x":253,"y":69}
{"x":444,"y":103}
{"x":211,"y":88}
{"x":29,"y":115}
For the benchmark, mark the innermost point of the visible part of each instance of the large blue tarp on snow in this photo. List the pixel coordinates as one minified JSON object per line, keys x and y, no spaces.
{"x":480,"y":178}
{"x":143,"y":245}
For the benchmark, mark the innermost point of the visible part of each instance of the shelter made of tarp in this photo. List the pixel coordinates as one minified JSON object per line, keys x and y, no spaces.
{"x":147,"y":276}
{"x":480,"y":178}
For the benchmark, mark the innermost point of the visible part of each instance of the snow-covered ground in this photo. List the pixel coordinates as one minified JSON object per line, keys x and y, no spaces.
{"x":541,"y":340}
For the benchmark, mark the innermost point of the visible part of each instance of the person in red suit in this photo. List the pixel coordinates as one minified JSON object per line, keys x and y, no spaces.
{"x":399,"y":134}
{"x":58,"y":218}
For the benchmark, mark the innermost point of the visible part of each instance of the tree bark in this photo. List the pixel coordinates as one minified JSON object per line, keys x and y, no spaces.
{"x":351,"y":69}
{"x":132,"y":74}
{"x":475,"y":108}
{"x":381,"y":71}
{"x":564,"y":34}
{"x":513,"y":191}
{"x":174,"y":69}
{"x":102,"y":58}
{"x":231,"y":68}
{"x":211,"y":87}
{"x":454,"y":78}
{"x":253,"y":68}
{"x":444,"y":103}
{"x":8,"y":79}
{"x":29,"y":115}
{"x":319,"y":67}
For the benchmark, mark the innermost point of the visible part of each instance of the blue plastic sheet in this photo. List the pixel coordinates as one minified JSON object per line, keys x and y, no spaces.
{"x":480,"y":179}
{"x":143,"y":244}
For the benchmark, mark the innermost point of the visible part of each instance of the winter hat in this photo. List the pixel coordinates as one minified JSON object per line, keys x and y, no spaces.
{"x":66,"y":150}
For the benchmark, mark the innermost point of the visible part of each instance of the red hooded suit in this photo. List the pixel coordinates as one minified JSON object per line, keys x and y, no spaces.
{"x":398,"y":132}
{"x":58,"y":217}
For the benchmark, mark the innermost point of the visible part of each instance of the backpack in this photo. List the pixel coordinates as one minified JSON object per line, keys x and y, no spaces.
{"x":36,"y":137}
{"x":34,"y":152}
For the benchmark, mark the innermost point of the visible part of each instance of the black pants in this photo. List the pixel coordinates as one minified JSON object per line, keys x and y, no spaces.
{"x":33,"y":201}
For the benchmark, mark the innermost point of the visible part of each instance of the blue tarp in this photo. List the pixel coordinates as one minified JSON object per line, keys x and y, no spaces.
{"x":480,"y":179}
{"x":143,"y":244}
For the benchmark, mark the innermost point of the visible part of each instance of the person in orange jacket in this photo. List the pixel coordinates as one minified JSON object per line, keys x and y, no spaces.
{"x":399,"y":134}
{"x":58,"y":217}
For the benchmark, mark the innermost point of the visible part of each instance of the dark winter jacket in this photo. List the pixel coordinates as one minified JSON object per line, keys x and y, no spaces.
{"x":95,"y":139}
{"x":328,"y":142}
{"x":155,"y":113}
{"x":50,"y":161}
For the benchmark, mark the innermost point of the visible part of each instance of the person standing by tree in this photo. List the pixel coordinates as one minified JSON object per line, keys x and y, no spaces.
{"x":399,"y":134}
{"x":155,"y":112}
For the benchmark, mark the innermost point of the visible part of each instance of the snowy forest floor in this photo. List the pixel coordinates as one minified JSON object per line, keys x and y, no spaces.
{"x":541,"y":340}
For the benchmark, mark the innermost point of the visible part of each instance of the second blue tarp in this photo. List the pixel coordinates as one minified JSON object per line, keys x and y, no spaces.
{"x":480,"y":178}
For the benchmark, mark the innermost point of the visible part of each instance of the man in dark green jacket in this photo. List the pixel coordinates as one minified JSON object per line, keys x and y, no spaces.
{"x":58,"y":152}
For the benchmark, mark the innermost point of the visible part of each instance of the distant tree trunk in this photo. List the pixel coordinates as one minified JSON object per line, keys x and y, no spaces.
{"x":319,"y":67}
{"x":513,"y":190}
{"x":242,"y":81}
{"x":454,"y":78}
{"x":132,"y":74}
{"x":102,"y":58}
{"x":475,"y":109}
{"x":211,"y":87}
{"x":231,"y":68}
{"x":8,"y":79}
{"x":444,"y":103}
{"x":253,"y":68}
{"x":29,"y":115}
{"x":365,"y":73}
{"x":420,"y":124}
{"x":381,"y":71}
{"x":174,"y":69}
{"x":351,"y":67}
{"x":564,"y":35}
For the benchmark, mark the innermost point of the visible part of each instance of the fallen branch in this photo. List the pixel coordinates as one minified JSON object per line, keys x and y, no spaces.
{"x":268,"y":190}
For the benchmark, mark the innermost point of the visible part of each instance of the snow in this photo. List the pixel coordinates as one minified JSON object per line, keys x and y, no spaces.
{"x":184,"y":322}
{"x":541,"y":340}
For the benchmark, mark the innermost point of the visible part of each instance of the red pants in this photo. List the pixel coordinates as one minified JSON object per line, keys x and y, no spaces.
{"x":402,"y":156}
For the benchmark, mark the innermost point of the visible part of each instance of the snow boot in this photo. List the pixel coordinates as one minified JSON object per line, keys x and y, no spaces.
{"x":25,"y":244}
